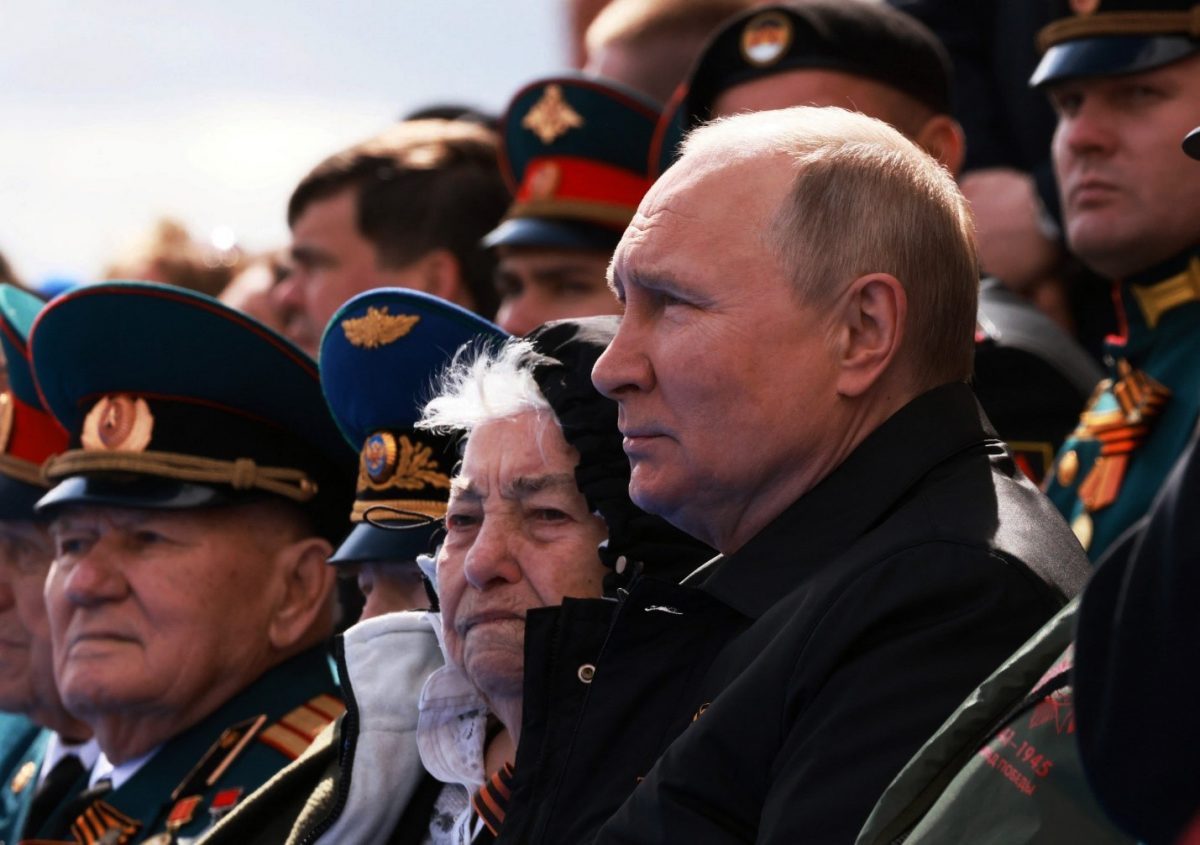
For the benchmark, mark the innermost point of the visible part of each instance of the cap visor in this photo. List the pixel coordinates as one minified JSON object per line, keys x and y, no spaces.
{"x":136,"y":491}
{"x":559,"y":234}
{"x":369,"y":542}
{"x":1110,"y":55}
{"x":17,"y":499}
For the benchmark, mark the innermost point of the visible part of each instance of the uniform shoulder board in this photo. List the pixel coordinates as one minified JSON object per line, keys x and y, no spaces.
{"x":292,"y":734}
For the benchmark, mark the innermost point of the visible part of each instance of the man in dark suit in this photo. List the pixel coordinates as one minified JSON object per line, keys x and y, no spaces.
{"x":790,"y":372}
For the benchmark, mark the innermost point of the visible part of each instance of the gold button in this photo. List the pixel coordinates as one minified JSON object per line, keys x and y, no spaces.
{"x":1082,"y":526}
{"x":1068,"y":469}
{"x":586,"y":672}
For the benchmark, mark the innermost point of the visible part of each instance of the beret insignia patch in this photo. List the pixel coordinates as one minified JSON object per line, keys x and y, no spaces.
{"x":118,"y":424}
{"x":378,"y":328}
{"x":766,"y":38}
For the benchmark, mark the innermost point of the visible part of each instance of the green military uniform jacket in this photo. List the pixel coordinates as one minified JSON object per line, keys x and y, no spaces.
{"x":22,"y":746}
{"x":1004,"y":768}
{"x":1140,"y":418}
{"x":202,"y":773}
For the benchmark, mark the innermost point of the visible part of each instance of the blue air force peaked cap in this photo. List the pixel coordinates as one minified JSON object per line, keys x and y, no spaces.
{"x":1113,"y":37}
{"x":380,"y":355}
{"x":173,"y":400}
{"x":857,"y":37}
{"x":28,"y":435}
{"x":574,"y":153}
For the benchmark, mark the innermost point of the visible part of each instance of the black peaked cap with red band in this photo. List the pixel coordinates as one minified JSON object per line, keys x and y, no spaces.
{"x":574,"y":152}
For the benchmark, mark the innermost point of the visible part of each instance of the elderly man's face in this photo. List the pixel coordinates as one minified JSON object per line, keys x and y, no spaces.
{"x":162,"y":612}
{"x":1130,"y":196}
{"x":518,"y":536}
{"x":26,"y":667}
{"x":725,"y":382}
{"x":539,"y":285}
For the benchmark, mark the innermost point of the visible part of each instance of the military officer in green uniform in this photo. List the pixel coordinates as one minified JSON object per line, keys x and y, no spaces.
{"x":1124,"y":77}
{"x":1006,"y":766}
{"x":44,"y":750}
{"x":192,"y":517}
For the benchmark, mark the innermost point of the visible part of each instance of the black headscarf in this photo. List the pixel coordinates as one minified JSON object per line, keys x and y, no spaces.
{"x":637,"y":541}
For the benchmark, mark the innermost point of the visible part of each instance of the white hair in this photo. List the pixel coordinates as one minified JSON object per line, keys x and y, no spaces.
{"x":485,"y":384}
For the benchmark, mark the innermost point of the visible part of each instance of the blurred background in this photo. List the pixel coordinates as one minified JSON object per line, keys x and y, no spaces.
{"x":115,"y":113}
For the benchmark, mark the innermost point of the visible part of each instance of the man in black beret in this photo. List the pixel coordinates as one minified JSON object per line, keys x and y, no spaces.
{"x":1030,"y":376}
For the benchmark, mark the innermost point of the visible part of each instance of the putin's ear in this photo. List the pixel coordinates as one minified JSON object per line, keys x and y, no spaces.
{"x":871,"y":315}
{"x":304,"y":606}
{"x":942,"y":137}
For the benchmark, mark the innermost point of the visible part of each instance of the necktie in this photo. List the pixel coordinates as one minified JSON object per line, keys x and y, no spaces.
{"x":59,"y":824}
{"x":65,"y":775}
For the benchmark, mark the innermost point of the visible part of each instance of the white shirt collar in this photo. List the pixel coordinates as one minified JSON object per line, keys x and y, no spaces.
{"x":58,"y":748}
{"x":104,"y":769}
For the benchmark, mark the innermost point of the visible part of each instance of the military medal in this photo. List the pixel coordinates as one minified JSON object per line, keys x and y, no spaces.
{"x":223,"y":802}
{"x":23,"y":777}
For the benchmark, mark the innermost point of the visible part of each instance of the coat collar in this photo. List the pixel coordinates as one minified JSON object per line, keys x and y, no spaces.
{"x":849,"y":501}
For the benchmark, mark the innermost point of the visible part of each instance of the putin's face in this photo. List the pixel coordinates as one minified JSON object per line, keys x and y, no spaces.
{"x":724,"y":381}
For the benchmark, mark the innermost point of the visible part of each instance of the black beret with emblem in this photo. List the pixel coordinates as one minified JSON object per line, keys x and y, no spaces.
{"x":857,"y":37}
{"x":574,"y":152}
{"x":1112,"y":37}
{"x":28,"y":435}
{"x":173,"y":400}
{"x":379,"y":357}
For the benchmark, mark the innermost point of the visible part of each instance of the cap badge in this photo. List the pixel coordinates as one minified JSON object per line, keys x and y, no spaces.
{"x":398,"y":463}
{"x":23,"y":777}
{"x":1084,"y":7}
{"x":766,"y":38}
{"x":552,"y":116}
{"x":543,"y":179}
{"x":6,"y":419}
{"x":118,"y":424}
{"x":378,"y":328}
{"x":379,"y":456}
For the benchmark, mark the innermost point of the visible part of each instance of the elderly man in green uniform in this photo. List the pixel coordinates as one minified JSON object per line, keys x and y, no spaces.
{"x":189,"y":598}
{"x":44,"y":750}
{"x":1031,"y":377}
{"x":575,"y":155}
{"x":1006,"y":766}
{"x":1124,"y":78}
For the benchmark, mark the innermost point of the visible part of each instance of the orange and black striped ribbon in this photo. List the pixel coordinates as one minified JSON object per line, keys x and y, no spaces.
{"x":491,"y":801}
{"x":102,"y":822}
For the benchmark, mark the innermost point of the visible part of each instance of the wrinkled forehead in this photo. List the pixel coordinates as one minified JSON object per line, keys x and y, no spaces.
{"x":515,"y":456}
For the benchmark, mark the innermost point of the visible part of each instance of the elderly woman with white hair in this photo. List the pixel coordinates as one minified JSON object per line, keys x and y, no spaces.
{"x":539,"y":511}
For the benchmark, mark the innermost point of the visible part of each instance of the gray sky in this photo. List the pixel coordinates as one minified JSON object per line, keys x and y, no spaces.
{"x":115,"y":112}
